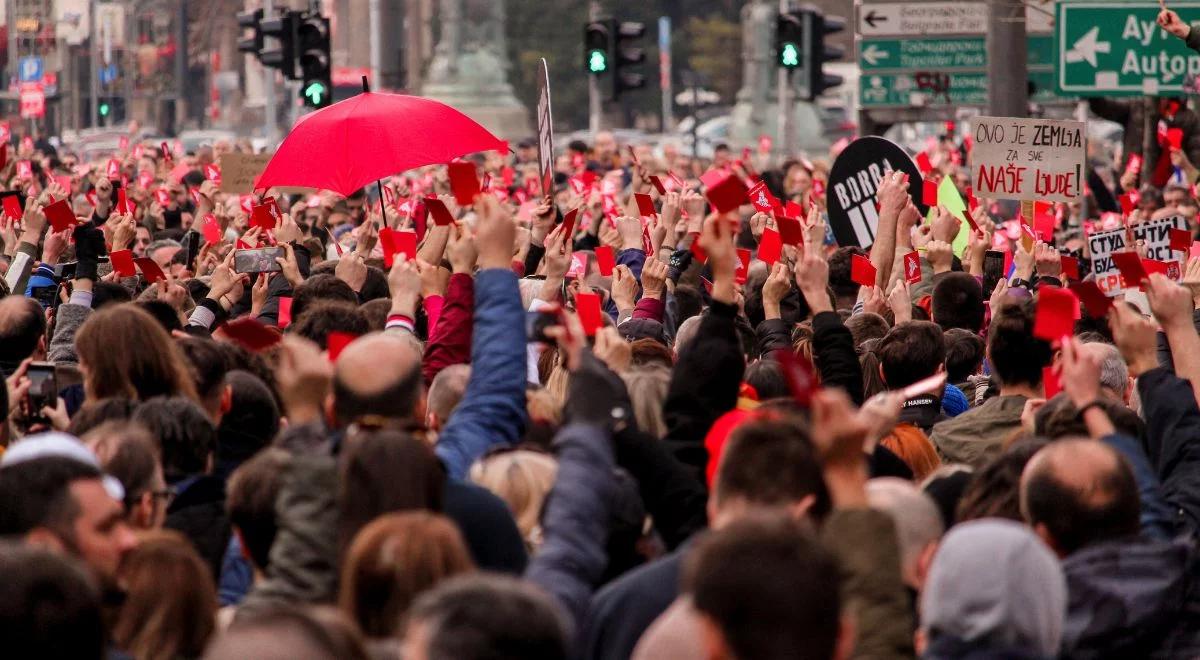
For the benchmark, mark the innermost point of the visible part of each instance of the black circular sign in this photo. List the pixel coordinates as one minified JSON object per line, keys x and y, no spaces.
{"x":853,"y":182}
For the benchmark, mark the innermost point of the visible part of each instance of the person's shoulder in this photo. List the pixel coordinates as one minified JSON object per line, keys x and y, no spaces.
{"x":658,"y":576}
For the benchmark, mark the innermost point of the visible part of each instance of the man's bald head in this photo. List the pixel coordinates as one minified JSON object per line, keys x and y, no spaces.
{"x":1079,"y":492}
{"x":377,"y":375}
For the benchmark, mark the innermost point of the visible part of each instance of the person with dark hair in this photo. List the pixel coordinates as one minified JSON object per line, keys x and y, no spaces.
{"x":163,"y":312}
{"x":22,"y":332}
{"x":324,"y":317}
{"x":844,"y":288}
{"x":911,"y":352}
{"x":964,"y":355}
{"x":318,"y":288}
{"x":992,"y":491}
{"x":252,"y":491}
{"x":1016,"y":358}
{"x":56,"y":497}
{"x":1059,"y":418}
{"x":188,"y":442}
{"x":95,"y":413}
{"x":48,"y":607}
{"x":207,"y":365}
{"x":249,"y":424}
{"x":957,"y":302}
{"x":867,"y":326}
{"x":127,"y":451}
{"x":764,"y":588}
{"x":484,"y":617}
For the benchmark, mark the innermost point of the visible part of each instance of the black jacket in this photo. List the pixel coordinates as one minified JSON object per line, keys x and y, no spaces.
{"x":1173,"y":441}
{"x":621,"y":612}
{"x":198,"y":512}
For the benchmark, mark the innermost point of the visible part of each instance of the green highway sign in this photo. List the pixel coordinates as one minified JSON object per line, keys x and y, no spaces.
{"x":967,"y":53}
{"x":1117,"y":49}
{"x":927,"y":89}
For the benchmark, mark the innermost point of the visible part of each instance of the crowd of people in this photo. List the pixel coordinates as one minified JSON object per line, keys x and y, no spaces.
{"x":343,"y":450}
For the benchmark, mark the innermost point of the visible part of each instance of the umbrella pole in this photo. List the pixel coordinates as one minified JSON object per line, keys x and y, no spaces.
{"x":378,"y":183}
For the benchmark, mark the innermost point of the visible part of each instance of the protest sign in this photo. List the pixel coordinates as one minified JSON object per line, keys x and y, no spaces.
{"x":1156,"y":234}
{"x":1027,"y":159}
{"x":853,"y":182}
{"x":238,"y":171}
{"x":545,"y":127}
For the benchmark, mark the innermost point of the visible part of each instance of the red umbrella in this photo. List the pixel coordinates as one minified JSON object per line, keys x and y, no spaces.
{"x":370,"y":136}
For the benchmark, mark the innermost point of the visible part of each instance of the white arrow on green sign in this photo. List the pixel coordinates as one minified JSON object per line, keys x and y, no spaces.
{"x":967,"y":53}
{"x":1117,"y":49}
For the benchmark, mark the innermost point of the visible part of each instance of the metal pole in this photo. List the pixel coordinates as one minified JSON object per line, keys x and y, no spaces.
{"x":594,"y":108}
{"x":376,"y":45}
{"x":10,"y":11}
{"x":269,"y":88}
{"x":694,"y":81}
{"x":93,"y":61}
{"x":1148,"y":135}
{"x":784,"y":119}
{"x":1008,"y":77}
{"x":664,"y":60}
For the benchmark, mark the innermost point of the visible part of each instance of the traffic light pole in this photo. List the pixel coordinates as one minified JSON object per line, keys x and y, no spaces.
{"x":784,"y":137}
{"x":594,"y":109}
{"x":272,"y":130}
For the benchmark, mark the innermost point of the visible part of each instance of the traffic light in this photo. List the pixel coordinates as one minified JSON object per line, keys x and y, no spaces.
{"x":111,"y":109}
{"x":251,"y":42}
{"x":597,"y":43}
{"x":815,"y":27}
{"x":312,"y":40}
{"x":626,"y":53}
{"x":788,"y":40}
{"x":280,"y":56}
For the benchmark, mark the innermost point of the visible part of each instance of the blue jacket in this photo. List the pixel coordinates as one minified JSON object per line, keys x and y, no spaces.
{"x":572,"y":558}
{"x":492,"y":411}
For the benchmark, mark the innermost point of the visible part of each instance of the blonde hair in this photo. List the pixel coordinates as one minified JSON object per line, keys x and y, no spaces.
{"x":523,"y":479}
{"x":648,"y":390}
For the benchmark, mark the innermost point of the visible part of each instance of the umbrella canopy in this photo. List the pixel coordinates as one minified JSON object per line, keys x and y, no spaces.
{"x":370,"y":136}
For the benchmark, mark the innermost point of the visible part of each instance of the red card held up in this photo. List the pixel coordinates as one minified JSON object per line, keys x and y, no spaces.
{"x":743,"y":267}
{"x":645,"y":205}
{"x":1055,"y":316}
{"x":923,"y":164}
{"x":437,"y":209}
{"x":929,"y":193}
{"x":605,"y":261}
{"x":122,"y":201}
{"x":122,"y":263}
{"x":587,"y":306}
{"x":405,"y":243}
{"x":211,"y":228}
{"x":1175,"y":138}
{"x":1092,"y":297}
{"x":1070,"y":267}
{"x":150,"y":270}
{"x":862,"y":270}
{"x":463,"y":182}
{"x":655,"y":181}
{"x":252,"y":334}
{"x":725,"y":192}
{"x":261,"y":217}
{"x":1130,"y":265}
{"x":336,"y":342}
{"x":770,"y":247}
{"x":1181,"y":239}
{"x":790,"y":230}
{"x":568,"y":227}
{"x":698,"y":252}
{"x":761,"y":198}
{"x":912,"y":267}
{"x":12,"y":207}
{"x":60,"y":215}
{"x":799,"y":375}
{"x":285,"y":311}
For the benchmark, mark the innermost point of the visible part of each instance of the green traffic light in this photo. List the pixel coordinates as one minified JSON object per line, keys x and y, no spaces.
{"x":104,"y":109}
{"x":597,"y":61}
{"x":315,"y":92}
{"x":789,"y":55}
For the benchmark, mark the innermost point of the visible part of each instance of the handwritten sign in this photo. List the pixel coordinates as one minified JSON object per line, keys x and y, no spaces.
{"x":1028,"y":159}
{"x":1156,"y":234}
{"x":238,"y":172}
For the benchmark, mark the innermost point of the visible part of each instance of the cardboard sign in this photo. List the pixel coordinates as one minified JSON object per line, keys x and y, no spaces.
{"x":853,"y":183}
{"x":1026,"y":159}
{"x":239,"y":172}
{"x":1103,"y":244}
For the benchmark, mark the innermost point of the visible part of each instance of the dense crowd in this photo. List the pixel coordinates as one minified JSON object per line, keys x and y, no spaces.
{"x":625,"y":419}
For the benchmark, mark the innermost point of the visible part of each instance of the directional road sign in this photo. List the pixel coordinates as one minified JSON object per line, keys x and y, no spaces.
{"x":915,"y":18}
{"x":943,"y":53}
{"x":1117,"y":49}
{"x":923,"y":89}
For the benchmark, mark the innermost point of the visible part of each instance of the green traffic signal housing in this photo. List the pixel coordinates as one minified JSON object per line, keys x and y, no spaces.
{"x":597,"y":42}
{"x":312,"y":47}
{"x":789,"y":55}
{"x":316,"y":94}
{"x":789,"y":37}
